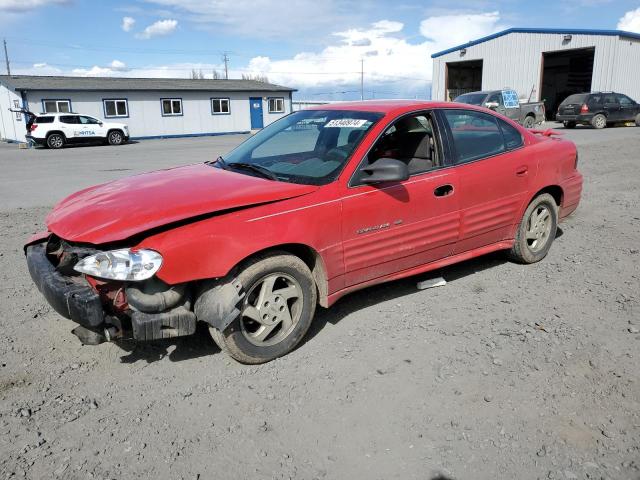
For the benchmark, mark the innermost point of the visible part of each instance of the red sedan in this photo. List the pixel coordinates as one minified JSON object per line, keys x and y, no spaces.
{"x":318,"y":204}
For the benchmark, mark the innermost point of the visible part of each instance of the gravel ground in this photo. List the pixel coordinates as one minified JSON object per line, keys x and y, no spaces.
{"x":508,"y":371}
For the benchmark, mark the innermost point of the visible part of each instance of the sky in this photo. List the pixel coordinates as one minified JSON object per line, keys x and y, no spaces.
{"x":316,"y":46}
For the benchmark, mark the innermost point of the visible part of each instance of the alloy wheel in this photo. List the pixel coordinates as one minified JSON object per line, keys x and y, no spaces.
{"x":538,"y":228}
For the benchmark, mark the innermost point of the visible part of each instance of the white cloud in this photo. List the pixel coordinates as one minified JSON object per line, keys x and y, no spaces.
{"x":19,"y":6}
{"x":393,"y":64}
{"x":389,"y":59}
{"x":630,"y":21}
{"x":127,"y":23}
{"x":269,"y":19}
{"x":158,"y":29}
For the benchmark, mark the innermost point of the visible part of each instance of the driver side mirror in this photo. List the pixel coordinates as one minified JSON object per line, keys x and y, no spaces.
{"x":492,"y":105}
{"x":385,"y":170}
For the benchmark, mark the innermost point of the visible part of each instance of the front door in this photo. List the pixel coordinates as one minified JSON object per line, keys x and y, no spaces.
{"x":494,"y":173}
{"x":255,"y":107}
{"x":628,"y":108}
{"x":612,"y":108}
{"x":392,"y":227}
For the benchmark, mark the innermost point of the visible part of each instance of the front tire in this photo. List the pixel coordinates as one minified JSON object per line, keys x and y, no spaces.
{"x":536,"y":231}
{"x":277,"y":310}
{"x":115,"y":137}
{"x":599,"y":121}
{"x":55,"y":141}
{"x":529,"y":122}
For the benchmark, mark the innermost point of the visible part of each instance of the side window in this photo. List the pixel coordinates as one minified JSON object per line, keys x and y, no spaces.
{"x":56,"y":106}
{"x":115,"y":108}
{"x":171,"y":107}
{"x":496,"y":98}
{"x":69,"y":119}
{"x":610,"y":98}
{"x":220,"y":106}
{"x":511,"y":135}
{"x":87,"y":120}
{"x":475,"y":135}
{"x":276,"y":105}
{"x":624,"y":100}
{"x":410,"y":140}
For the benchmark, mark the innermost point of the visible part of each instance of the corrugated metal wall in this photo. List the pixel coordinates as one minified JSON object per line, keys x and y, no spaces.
{"x":145,"y":118}
{"x":515,"y":61}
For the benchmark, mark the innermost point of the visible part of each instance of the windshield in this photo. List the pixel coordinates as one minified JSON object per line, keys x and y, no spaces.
{"x":471,"y":98}
{"x":577,"y":98}
{"x":309,"y":146}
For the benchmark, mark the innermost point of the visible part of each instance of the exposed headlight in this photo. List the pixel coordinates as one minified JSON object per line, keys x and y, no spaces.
{"x":122,"y":264}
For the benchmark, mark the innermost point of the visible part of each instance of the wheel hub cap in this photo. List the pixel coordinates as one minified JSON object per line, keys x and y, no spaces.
{"x":539,"y":228}
{"x":272,"y":309}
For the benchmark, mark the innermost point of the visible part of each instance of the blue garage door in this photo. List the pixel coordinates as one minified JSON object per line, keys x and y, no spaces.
{"x":255,"y":107}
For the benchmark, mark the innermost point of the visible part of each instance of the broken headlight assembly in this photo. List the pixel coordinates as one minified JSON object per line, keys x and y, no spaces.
{"x":126,"y":265}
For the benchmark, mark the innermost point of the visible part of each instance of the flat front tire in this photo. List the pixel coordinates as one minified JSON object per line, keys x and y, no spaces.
{"x":55,"y":141}
{"x":536,"y":231}
{"x":276,"y":312}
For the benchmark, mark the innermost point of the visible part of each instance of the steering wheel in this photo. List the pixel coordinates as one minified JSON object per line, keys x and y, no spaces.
{"x":336,"y":154}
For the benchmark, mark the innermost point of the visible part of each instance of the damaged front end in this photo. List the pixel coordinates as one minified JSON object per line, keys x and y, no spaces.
{"x":108,"y":309}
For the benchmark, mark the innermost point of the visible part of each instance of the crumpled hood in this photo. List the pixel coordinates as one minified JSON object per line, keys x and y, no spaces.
{"x":120,"y":209}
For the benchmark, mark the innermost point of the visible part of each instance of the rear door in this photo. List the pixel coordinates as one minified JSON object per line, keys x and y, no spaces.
{"x":70,"y":126}
{"x":612,"y":108}
{"x":391,"y":227}
{"x":494,"y":175}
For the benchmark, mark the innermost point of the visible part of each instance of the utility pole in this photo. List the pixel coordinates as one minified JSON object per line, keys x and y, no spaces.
{"x":226,"y":66}
{"x":6,"y":57}
{"x":362,"y":79}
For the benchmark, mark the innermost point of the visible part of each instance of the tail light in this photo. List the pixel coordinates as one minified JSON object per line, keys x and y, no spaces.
{"x":33,"y":127}
{"x":584,"y":109}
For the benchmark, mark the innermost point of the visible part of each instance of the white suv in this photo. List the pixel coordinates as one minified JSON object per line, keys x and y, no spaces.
{"x":54,"y":130}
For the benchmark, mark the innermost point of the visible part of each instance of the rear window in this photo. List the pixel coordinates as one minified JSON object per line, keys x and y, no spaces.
{"x":43,"y":120}
{"x":577,"y":98}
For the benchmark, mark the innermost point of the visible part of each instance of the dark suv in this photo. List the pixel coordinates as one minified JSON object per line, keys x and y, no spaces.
{"x":598,"y":109}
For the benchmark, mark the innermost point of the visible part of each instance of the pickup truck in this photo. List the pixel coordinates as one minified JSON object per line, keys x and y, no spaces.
{"x":507,"y":103}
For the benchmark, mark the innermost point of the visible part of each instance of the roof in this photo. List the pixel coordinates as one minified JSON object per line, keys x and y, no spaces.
{"x":41,"y":82}
{"x":562,"y":31}
{"x":381,"y":106}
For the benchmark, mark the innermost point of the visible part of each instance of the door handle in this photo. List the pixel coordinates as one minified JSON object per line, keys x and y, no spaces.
{"x":522,"y":171}
{"x":443,"y":190}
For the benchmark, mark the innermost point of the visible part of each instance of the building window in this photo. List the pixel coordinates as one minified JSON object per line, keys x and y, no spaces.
{"x":56,"y":106}
{"x":220,"y":106}
{"x":116,"y":108}
{"x":276,"y":105}
{"x":171,"y":107}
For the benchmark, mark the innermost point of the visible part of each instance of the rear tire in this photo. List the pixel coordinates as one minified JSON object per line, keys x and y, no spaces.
{"x":569,"y":124}
{"x":599,"y":121}
{"x":115,"y":137}
{"x":529,"y":122}
{"x":55,"y":141}
{"x":277,"y":310}
{"x":536,"y":231}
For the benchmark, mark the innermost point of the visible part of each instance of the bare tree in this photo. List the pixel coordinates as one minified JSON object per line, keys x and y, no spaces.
{"x":258,"y":77}
{"x":216,"y":75}
{"x":197,"y":74}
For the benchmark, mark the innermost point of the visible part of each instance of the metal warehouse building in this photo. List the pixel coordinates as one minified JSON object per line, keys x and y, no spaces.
{"x":541,"y":64}
{"x":151,"y":107}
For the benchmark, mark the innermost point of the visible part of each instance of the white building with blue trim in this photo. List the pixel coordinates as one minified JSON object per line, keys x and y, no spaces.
{"x":152,"y":107}
{"x":541,"y":64}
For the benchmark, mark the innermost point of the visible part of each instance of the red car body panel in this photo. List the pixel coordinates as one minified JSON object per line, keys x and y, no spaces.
{"x":359,"y":235}
{"x":120,"y":209}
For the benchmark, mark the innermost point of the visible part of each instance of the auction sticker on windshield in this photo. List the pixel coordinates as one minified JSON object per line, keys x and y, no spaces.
{"x":346,"y":123}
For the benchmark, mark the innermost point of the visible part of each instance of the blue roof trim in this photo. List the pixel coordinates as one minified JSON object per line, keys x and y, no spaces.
{"x":566,"y":31}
